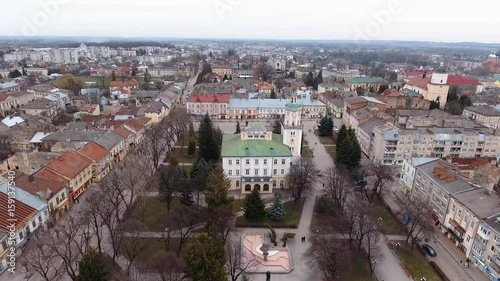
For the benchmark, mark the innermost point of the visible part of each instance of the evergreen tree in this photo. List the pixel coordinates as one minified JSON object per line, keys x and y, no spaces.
{"x":225,"y":77}
{"x":254,"y":206}
{"x":92,"y":267}
{"x":465,"y":101}
{"x":191,"y":148}
{"x":309,"y":81}
{"x":167,"y":184}
{"x":349,"y":150}
{"x":238,"y":129}
{"x":191,"y":130}
{"x":318,"y":80}
{"x":205,"y":258}
{"x":434,"y":105}
{"x":183,"y":187}
{"x":382,"y":88}
{"x":277,"y":127}
{"x":134,"y":72}
{"x":341,"y":135}
{"x":277,"y":211}
{"x":325,"y":127}
{"x":219,"y":136}
{"x":273,"y":94}
{"x":230,"y":77}
{"x":207,"y":141}
{"x":217,"y":189}
{"x":15,"y":73}
{"x":113,"y":76}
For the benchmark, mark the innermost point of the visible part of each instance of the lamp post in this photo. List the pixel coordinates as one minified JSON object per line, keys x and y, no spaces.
{"x":397,"y":247}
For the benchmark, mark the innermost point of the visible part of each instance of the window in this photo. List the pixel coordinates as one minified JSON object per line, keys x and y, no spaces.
{"x":33,"y":223}
{"x":21,"y":235}
{"x":283,"y":161}
{"x":492,"y":248}
{"x":237,"y":183}
{"x":460,"y":213}
{"x":265,"y":161}
{"x":230,"y":172}
{"x":40,"y":219}
{"x":468,"y":238}
{"x":256,"y":161}
{"x":247,"y":172}
{"x":453,"y":208}
{"x":237,"y":172}
{"x":237,"y":161}
{"x":248,"y":187}
{"x":275,"y":161}
{"x":247,"y":161}
{"x":275,"y":171}
{"x":274,"y":183}
{"x":230,"y":162}
{"x":265,"y":172}
{"x":256,"y":172}
{"x":282,"y":171}
{"x":472,"y":224}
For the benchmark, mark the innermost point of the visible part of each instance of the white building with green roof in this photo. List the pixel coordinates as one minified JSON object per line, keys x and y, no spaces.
{"x":257,"y":158}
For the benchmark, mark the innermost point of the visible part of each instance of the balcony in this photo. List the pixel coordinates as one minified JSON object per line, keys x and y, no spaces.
{"x":483,"y":235}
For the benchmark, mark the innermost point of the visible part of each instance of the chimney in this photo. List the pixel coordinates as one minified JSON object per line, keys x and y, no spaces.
{"x":424,"y":75}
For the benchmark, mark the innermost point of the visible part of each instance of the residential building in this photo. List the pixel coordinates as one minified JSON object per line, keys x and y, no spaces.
{"x":486,"y":248}
{"x":465,"y":213}
{"x":484,"y":114}
{"x":351,"y":116}
{"x":223,"y":70}
{"x":4,"y":250}
{"x":125,"y":86}
{"x":55,"y":193}
{"x":434,"y":88}
{"x":156,"y":111}
{"x":407,"y":175}
{"x":31,"y":214}
{"x":115,"y":145}
{"x":366,"y":83}
{"x":14,"y":100}
{"x":9,"y":87}
{"x":404,"y":99}
{"x":41,"y":107}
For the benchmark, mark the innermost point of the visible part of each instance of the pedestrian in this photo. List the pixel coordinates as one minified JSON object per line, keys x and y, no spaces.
{"x":323,"y":185}
{"x":304,"y":239}
{"x":315,"y":143}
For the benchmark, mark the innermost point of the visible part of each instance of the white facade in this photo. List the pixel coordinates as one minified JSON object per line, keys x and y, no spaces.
{"x":291,"y":128}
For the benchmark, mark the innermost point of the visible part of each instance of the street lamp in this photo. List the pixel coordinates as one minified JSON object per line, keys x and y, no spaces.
{"x":397,"y":247}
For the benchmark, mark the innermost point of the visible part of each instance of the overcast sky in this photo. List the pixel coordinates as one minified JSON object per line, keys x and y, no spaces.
{"x":423,"y":20}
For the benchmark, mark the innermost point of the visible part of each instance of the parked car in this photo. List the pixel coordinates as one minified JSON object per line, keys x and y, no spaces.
{"x":429,"y":250}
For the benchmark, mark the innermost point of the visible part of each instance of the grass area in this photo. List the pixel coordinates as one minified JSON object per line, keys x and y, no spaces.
{"x":182,"y":157}
{"x":153,"y":248}
{"x":360,"y":271}
{"x":153,"y":212}
{"x":306,"y":152}
{"x":331,"y":150}
{"x":115,"y":272}
{"x":388,"y":225}
{"x":292,"y":218}
{"x":186,"y":138}
{"x":416,"y":264}
{"x":238,"y":204}
{"x":326,"y":140}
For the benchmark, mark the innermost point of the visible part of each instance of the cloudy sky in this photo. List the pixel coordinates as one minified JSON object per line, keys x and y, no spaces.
{"x":423,"y":20}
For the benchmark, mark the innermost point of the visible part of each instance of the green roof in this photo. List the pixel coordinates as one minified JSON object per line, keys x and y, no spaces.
{"x":367,"y":80}
{"x":293,"y":105}
{"x":234,"y":146}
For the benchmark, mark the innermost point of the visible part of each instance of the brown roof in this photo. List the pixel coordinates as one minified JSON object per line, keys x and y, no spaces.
{"x":46,"y":173}
{"x":420,"y":82}
{"x":34,"y":185}
{"x":131,"y":82}
{"x":134,"y":125}
{"x":143,"y":120}
{"x":123,"y":132}
{"x":22,"y":214}
{"x":70,"y":164}
{"x":93,"y":151}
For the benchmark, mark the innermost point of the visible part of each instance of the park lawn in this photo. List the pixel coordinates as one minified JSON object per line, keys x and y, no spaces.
{"x":115,"y":272}
{"x":326,"y":140}
{"x":186,"y":138}
{"x":306,"y":152}
{"x":292,"y":218}
{"x":331,"y":150}
{"x":152,"y":211}
{"x":388,"y":225}
{"x":183,"y":157}
{"x":238,"y":204}
{"x":154,"y":246}
{"x":416,"y":264}
{"x":360,"y":271}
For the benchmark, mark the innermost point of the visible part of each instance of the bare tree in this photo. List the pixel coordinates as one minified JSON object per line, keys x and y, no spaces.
{"x":329,"y":255}
{"x":264,"y":72}
{"x":183,"y":221}
{"x":337,"y":186}
{"x":383,"y":175}
{"x":418,"y":223}
{"x":107,"y":212}
{"x":112,"y":192}
{"x":43,"y":260}
{"x":224,"y":221}
{"x":155,"y":145}
{"x":364,"y":222}
{"x":301,"y":179}
{"x":179,"y":122}
{"x":168,"y":267}
{"x":238,"y":260}
{"x":91,"y":211}
{"x":346,"y":222}
{"x":133,"y":244}
{"x":372,"y":250}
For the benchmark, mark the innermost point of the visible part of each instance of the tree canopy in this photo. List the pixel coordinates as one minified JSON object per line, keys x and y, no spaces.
{"x":254,"y":206}
{"x":348,"y":150}
{"x":325,"y":127}
{"x":207,"y":141}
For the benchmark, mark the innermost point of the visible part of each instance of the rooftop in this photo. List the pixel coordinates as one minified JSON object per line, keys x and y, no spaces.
{"x":27,"y":206}
{"x":367,"y":80}
{"x":109,"y":140}
{"x":479,"y":202}
{"x":484,"y":110}
{"x":233,"y":146}
{"x":69,"y":164}
{"x":445,"y":178}
{"x":220,"y":98}
{"x":93,"y":151}
{"x":44,"y":188}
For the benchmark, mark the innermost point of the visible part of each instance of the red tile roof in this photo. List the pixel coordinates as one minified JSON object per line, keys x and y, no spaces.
{"x":134,"y":125}
{"x":420,"y":82}
{"x":460,"y":80}
{"x":215,"y":98}
{"x":93,"y":151}
{"x":123,"y":132}
{"x":70,"y":164}
{"x":130,"y":83}
{"x":46,"y":173}
{"x":34,"y":185}
{"x":22,"y":214}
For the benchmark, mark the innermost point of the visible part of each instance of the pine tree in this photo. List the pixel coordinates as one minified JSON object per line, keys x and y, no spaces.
{"x":134,"y":72}
{"x":325,"y":127}
{"x":183,"y":186}
{"x":217,"y":189}
{"x":277,"y":127}
{"x":191,"y":129}
{"x":113,"y":76}
{"x":191,"y":148}
{"x":349,"y":150}
{"x":309,"y":81}
{"x":277,"y":211}
{"x":273,"y":94}
{"x":205,"y":258}
{"x":254,"y":206}
{"x":238,"y":129}
{"x":318,"y":80}
{"x":207,"y":142}
{"x":92,"y":267}
{"x":225,"y":77}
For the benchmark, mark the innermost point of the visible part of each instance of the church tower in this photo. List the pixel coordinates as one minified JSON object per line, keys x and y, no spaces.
{"x":291,"y":128}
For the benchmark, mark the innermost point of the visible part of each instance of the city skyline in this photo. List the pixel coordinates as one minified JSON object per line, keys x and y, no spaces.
{"x":237,"y":19}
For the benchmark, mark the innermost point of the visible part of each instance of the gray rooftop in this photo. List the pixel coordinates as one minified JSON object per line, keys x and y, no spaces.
{"x":73,"y":136}
{"x":493,"y":223}
{"x":38,"y":105}
{"x":451,"y":187}
{"x":109,"y":140}
{"x":484,"y":110}
{"x":480,"y":203}
{"x":371,"y":124}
